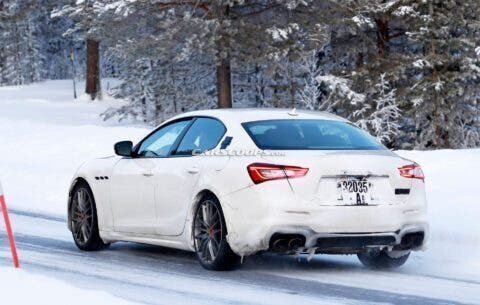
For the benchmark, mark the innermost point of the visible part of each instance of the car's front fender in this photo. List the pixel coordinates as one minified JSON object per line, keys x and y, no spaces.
{"x":96,"y":173}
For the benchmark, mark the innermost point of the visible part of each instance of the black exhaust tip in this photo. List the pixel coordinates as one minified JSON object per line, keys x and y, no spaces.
{"x":411,"y":241}
{"x":286,"y":243}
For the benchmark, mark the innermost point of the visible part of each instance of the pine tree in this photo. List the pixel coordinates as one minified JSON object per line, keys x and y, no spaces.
{"x":381,"y":119}
{"x":26,"y":54}
{"x":226,"y":33}
{"x":337,"y":55}
{"x":447,"y":74}
{"x":310,"y":94}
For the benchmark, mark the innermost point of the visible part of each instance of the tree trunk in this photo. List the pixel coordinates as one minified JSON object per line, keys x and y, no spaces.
{"x":224,"y":75}
{"x":93,"y":69}
{"x":383,"y":36}
{"x":360,"y":60}
{"x":224,"y":84}
{"x":174,"y":96}
{"x":291,"y":84}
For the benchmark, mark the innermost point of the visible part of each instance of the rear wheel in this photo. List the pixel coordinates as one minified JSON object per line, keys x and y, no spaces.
{"x":83,"y":217}
{"x":383,"y":259}
{"x":210,"y":231}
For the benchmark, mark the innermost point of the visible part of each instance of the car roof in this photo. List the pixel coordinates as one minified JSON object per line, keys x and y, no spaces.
{"x":241,"y":115}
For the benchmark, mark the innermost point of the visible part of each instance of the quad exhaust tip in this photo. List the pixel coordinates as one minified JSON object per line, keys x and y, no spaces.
{"x":286,"y":243}
{"x":293,"y":243}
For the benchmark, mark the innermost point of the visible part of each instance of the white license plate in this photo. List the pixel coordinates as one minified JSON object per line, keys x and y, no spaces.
{"x":354,"y":191}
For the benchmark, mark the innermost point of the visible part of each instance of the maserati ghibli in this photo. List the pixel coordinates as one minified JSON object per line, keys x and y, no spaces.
{"x":231,"y":183}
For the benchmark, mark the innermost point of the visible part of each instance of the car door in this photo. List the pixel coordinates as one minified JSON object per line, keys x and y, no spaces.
{"x":177,"y":177}
{"x":132,"y":182}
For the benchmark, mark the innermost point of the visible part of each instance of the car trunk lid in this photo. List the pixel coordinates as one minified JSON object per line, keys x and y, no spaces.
{"x":329,"y":170}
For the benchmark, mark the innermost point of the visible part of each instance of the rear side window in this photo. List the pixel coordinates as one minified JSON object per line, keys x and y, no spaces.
{"x":310,"y":135}
{"x":203,"y":135}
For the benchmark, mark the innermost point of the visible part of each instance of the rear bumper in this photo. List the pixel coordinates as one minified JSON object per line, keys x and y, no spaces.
{"x":293,"y":239}
{"x":252,"y":221}
{"x":410,"y":237}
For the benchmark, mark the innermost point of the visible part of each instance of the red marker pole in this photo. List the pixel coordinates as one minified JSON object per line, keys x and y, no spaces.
{"x":11,"y":239}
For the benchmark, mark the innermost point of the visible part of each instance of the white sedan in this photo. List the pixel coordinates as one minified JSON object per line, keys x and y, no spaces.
{"x":230,"y":183}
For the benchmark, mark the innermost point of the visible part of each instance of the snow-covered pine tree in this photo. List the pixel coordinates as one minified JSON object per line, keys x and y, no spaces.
{"x":366,"y":40}
{"x":16,"y":52}
{"x":447,"y":74}
{"x":225,"y":34}
{"x":35,"y":27}
{"x":90,"y":28}
{"x":310,"y":94}
{"x":172,"y":56}
{"x":381,"y":119}
{"x":30,"y":48}
{"x":339,"y":97}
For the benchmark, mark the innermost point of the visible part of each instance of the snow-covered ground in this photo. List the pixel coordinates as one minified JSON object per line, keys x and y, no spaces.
{"x":454,"y":208}
{"x":21,"y":287}
{"x":45,"y":135}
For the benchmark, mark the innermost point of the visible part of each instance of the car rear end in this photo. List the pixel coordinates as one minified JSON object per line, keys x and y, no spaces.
{"x":325,"y":199}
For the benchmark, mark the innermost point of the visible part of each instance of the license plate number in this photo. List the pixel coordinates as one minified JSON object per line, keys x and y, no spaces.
{"x":354,"y":191}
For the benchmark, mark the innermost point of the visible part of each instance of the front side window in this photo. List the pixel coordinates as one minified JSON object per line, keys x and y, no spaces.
{"x":161,"y":142}
{"x":203,"y":135}
{"x":310,"y":135}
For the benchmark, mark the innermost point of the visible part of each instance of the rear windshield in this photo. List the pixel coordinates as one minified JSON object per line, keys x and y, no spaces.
{"x":310,"y":135}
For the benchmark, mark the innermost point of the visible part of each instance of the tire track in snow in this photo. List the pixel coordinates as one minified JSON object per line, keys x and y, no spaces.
{"x":148,"y":273}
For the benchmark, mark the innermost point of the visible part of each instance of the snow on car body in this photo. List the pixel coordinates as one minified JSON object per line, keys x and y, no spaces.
{"x":287,"y":181}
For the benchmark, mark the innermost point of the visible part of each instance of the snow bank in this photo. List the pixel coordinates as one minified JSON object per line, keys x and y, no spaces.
{"x":46,"y":291}
{"x":45,"y":135}
{"x":453,"y":209}
{"x":452,"y":191}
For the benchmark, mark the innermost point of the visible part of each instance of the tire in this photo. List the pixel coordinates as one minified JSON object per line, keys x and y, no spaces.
{"x":382,"y":260}
{"x":83,"y":219}
{"x":209,"y":233}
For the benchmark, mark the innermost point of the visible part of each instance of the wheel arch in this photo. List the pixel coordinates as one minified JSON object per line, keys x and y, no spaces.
{"x":196,"y":200}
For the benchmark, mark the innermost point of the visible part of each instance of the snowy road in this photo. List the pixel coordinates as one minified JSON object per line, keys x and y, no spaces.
{"x":156,"y":275}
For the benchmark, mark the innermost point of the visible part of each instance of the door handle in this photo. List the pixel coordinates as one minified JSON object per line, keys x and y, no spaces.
{"x":193,"y":170}
{"x":147,"y":174}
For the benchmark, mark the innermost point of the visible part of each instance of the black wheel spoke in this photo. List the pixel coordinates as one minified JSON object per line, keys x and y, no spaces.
{"x":215,"y":224}
{"x":204,"y":246}
{"x":201,"y":228}
{"x":77,"y":228}
{"x":214,"y":218}
{"x":211,"y":250}
{"x":201,"y":236}
{"x":215,"y":245}
{"x":203,"y":223}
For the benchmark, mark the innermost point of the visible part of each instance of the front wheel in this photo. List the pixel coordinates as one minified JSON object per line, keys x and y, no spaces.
{"x":383,"y":259}
{"x":210,"y":231}
{"x":83,"y":218}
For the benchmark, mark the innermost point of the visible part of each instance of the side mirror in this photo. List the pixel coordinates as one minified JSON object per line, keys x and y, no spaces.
{"x":124,"y":148}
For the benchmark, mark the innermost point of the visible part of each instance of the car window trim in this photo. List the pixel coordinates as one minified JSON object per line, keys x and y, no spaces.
{"x":139,"y":144}
{"x":172,"y":152}
{"x":180,"y":137}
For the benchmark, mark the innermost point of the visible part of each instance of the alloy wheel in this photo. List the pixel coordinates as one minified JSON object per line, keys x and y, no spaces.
{"x":82,"y":216}
{"x":208,"y":231}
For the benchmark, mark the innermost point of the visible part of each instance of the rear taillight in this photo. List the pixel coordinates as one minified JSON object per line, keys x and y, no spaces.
{"x":412,"y":171}
{"x":261,"y":172}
